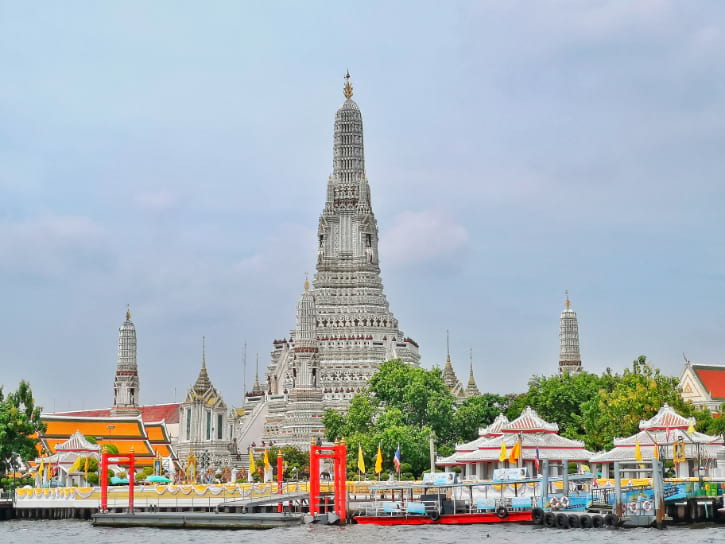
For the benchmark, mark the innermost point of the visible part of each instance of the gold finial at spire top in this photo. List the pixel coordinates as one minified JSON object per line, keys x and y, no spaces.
{"x":307,"y":282}
{"x":347,"y":90}
{"x":568,"y":303}
{"x":203,"y":352}
{"x":128,"y":312}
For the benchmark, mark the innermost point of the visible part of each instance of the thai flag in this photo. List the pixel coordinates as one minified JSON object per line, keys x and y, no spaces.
{"x":537,"y":461}
{"x":396,"y":459}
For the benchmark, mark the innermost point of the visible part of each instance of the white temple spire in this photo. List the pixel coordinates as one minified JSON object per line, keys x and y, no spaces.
{"x":126,"y":382}
{"x":569,"y":356}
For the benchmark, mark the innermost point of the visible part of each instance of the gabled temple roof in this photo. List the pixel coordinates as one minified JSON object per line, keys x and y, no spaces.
{"x":77,"y":442}
{"x":712,"y":378}
{"x":169,"y":413}
{"x":495,"y":428}
{"x":666,"y":418}
{"x":530,"y":422}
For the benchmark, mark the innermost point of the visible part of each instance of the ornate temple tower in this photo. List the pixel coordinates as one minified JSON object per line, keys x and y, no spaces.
{"x":472,"y":388}
{"x":569,"y":358}
{"x":126,"y":383}
{"x":204,"y":425}
{"x":449,"y":375}
{"x":354,"y":329}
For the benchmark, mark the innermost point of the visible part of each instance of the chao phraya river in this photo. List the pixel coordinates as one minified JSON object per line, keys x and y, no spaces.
{"x":72,"y":531}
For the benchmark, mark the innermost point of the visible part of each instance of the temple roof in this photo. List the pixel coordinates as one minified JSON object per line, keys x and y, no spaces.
{"x":712,"y":378}
{"x":550,"y":445}
{"x":495,"y":428}
{"x":77,"y":442}
{"x":472,"y":388}
{"x":530,"y":422}
{"x":666,"y":418}
{"x":169,"y":413}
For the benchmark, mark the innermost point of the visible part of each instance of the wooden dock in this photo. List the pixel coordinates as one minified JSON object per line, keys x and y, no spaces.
{"x":196,"y":520}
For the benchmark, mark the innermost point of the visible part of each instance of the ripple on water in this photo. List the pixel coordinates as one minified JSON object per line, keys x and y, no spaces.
{"x":73,"y":532}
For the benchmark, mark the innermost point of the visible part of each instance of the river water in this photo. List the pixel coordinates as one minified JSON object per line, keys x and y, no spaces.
{"x":75,"y":532}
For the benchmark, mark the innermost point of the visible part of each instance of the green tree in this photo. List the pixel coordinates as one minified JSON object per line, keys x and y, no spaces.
{"x":19,"y":426}
{"x":625,"y":400}
{"x":477,"y":412}
{"x":560,"y":399}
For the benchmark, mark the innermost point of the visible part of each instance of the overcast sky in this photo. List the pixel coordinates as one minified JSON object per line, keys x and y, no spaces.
{"x":174,"y":156}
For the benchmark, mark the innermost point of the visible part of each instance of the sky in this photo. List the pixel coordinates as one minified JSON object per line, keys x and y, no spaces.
{"x":174,"y":156}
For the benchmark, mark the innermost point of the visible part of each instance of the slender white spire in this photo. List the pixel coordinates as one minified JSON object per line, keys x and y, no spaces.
{"x":569,"y":356}
{"x":126,"y":382}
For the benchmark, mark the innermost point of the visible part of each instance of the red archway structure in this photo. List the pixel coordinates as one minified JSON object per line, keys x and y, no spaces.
{"x":338,"y":454}
{"x":125,"y":460}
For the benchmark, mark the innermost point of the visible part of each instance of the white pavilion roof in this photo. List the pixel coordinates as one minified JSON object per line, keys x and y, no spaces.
{"x":77,"y":443}
{"x":666,"y":418}
{"x":494,"y":429}
{"x":624,"y":448}
{"x":535,"y":433}
{"x":530,"y":422}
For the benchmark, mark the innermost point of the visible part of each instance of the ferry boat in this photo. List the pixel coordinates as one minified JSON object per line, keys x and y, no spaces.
{"x":447,"y":502}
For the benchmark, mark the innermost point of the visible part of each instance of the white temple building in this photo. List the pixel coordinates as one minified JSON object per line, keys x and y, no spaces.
{"x":665,"y":432}
{"x":349,"y":330}
{"x":479,"y":458}
{"x":206,"y":426}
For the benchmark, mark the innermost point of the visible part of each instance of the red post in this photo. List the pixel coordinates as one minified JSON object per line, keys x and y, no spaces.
{"x":104,"y":481}
{"x":131,"y":478}
{"x":341,"y":497}
{"x":314,"y":480}
{"x":280,"y":478}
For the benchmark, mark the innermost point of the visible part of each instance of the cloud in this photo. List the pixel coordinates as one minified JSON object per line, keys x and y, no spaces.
{"x":51,"y":245}
{"x":421,"y":236}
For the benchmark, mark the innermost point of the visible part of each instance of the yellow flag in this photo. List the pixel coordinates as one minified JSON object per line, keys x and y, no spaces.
{"x":503,"y":455}
{"x":691,"y":428}
{"x":252,"y":464}
{"x":267,"y":466}
{"x":360,"y":460}
{"x":76,"y":466}
{"x":637,"y":451}
{"x":379,"y":461}
{"x":86,"y":465}
{"x":656,"y":453}
{"x":515,"y":453}
{"x":41,"y":468}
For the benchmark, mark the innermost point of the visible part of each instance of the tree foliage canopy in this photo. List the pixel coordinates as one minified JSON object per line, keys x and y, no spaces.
{"x":19,"y":423}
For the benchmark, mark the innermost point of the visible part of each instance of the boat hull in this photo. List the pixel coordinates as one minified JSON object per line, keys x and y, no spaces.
{"x":445,"y":519}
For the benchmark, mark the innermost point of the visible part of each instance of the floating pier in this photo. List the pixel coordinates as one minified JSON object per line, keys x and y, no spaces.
{"x":196,"y":520}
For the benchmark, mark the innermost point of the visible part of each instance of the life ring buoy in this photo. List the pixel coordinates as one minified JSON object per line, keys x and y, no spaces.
{"x":434,"y":515}
{"x":647,"y":506}
{"x":537,"y":515}
{"x":554,"y":503}
{"x":564,"y":502}
{"x":632,"y":507}
{"x":501,"y":512}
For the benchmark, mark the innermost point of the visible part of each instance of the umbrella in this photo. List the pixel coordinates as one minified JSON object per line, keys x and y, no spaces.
{"x":157,"y":480}
{"x":115,"y":480}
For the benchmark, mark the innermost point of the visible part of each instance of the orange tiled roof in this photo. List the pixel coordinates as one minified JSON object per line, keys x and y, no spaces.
{"x":713,"y":379}
{"x":124,"y":433}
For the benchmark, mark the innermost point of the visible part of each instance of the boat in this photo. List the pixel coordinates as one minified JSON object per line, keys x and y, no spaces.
{"x":448,"y":502}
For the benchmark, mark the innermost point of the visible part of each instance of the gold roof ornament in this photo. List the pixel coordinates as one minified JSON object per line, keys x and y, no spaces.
{"x":307,"y":282}
{"x":347,"y":91}
{"x":128,"y":312}
{"x":568,"y":303}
